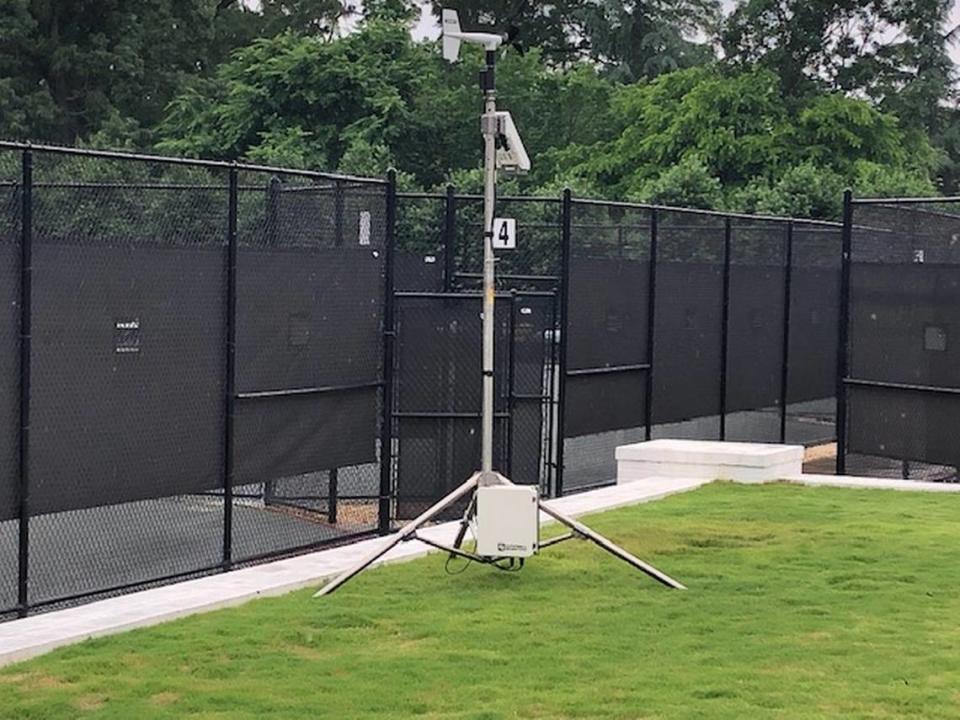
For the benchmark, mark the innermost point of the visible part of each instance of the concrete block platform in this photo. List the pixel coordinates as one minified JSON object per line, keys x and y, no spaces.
{"x":707,"y":460}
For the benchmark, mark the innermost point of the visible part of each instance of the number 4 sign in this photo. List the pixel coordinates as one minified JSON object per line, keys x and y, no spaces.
{"x":504,"y":234}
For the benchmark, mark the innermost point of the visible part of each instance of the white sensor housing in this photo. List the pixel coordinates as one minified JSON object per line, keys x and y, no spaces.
{"x":508,"y":523}
{"x":512,"y":156}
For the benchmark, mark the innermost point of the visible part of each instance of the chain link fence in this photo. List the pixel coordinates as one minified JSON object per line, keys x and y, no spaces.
{"x":693,"y":324}
{"x":192,"y":371}
{"x":209,"y":364}
{"x":901,"y":359}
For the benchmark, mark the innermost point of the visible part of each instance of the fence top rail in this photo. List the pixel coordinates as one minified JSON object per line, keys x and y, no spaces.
{"x":468,"y":295}
{"x":906,"y":200}
{"x":478,"y":198}
{"x":719,"y":214}
{"x":627,"y":206}
{"x":193,"y":162}
{"x":932,"y":212}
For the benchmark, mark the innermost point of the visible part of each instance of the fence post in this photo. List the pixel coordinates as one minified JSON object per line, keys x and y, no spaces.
{"x":552,"y":401}
{"x":274,"y":188}
{"x":26,"y":276}
{"x":389,"y":336}
{"x":333,"y":478}
{"x":844,"y":329}
{"x":333,"y":474}
{"x":273,"y":210}
{"x":651,"y":322}
{"x":785,"y":359}
{"x":449,"y":231}
{"x":338,"y":208}
{"x":566,"y":220}
{"x":724,"y":328}
{"x":511,"y":358}
{"x":230,"y":369}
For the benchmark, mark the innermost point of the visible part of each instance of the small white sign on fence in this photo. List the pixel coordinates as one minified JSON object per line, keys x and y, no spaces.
{"x":364,"y":232}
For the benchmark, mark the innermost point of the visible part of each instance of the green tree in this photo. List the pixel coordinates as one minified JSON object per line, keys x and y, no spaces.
{"x":686,"y":184}
{"x":735,"y":126}
{"x":377,"y":88}
{"x":67,"y":68}
{"x":804,"y":190}
{"x":322,"y":97}
{"x":643,"y":39}
{"x":319,"y":18}
{"x":690,"y":133}
{"x":895,"y":51}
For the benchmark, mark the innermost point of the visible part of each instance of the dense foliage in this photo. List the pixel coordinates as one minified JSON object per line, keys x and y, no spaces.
{"x":774,"y":108}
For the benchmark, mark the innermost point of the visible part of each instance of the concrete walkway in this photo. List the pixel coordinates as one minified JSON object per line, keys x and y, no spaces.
{"x":22,"y":639}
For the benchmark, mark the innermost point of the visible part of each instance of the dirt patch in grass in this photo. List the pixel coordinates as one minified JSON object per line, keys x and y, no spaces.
{"x":89,"y":703}
{"x":162,"y":699}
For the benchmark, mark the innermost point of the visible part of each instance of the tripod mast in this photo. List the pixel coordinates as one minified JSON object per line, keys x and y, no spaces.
{"x":489,"y":128}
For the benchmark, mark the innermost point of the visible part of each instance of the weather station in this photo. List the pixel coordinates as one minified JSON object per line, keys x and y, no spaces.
{"x":503,"y":517}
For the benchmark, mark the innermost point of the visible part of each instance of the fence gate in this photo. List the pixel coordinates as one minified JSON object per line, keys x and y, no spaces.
{"x":438,"y":392}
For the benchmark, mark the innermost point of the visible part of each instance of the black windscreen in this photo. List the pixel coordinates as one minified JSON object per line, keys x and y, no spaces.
{"x":755,"y":341}
{"x":439,"y":343}
{"x":904,"y":326}
{"x":686,"y":378}
{"x":814,"y":312}
{"x":282,"y":437}
{"x":599,"y":403}
{"x":413,"y":271}
{"x":307,"y":320}
{"x":905,"y":323}
{"x":530,"y":382}
{"x":127,"y":373}
{"x":608,"y":317}
{"x":9,"y":362}
{"x":904,"y":425}
{"x":310,"y":284}
{"x":608,"y":312}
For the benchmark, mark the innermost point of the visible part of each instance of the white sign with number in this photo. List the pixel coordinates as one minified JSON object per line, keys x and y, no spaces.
{"x":504,"y":234}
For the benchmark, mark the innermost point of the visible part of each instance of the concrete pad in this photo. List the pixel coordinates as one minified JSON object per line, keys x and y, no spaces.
{"x":740,"y":462}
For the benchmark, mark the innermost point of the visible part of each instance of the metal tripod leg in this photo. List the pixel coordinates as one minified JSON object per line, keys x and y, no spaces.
{"x":405,"y":533}
{"x":611,"y":548}
{"x":464,"y":524}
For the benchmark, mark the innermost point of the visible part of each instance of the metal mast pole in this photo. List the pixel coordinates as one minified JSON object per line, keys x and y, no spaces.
{"x":489,"y":129}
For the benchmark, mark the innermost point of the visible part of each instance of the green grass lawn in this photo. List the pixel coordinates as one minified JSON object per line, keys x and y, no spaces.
{"x":803,"y":603}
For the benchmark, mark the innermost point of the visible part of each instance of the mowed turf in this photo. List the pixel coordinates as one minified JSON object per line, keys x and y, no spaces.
{"x":803,"y":603}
